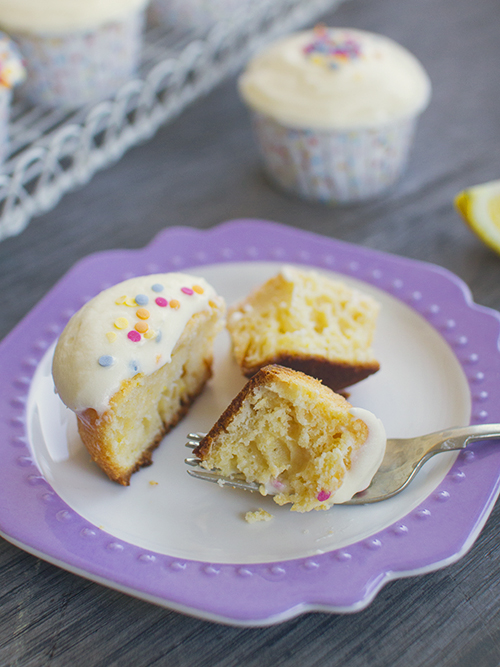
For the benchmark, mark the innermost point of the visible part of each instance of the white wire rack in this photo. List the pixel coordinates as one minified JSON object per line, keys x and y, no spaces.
{"x":53,"y":151}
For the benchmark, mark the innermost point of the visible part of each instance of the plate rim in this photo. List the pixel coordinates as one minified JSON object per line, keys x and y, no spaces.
{"x":274,"y":591}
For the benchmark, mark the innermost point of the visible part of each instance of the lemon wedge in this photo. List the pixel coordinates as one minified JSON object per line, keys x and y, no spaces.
{"x":480,"y":207}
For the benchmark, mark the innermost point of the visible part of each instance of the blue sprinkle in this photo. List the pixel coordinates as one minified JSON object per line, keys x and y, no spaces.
{"x":157,"y":287}
{"x":158,"y":337}
{"x":141,"y":300}
{"x":106,"y":360}
{"x":134,"y":366}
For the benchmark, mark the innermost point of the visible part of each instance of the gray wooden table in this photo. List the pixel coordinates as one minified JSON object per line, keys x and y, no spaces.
{"x":199,"y":171}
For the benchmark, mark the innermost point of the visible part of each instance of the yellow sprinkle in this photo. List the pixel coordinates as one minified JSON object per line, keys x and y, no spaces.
{"x":121,"y":300}
{"x":158,"y":357}
{"x":111,"y":336}
{"x":175,"y":304}
{"x":198,"y":289}
{"x":142,"y":313}
{"x":153,"y":483}
{"x":149,"y":334}
{"x":212,"y":304}
{"x":141,"y":327}
{"x":121,"y":323}
{"x":130,"y":302}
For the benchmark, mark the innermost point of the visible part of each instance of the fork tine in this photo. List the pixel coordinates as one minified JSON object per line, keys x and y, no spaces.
{"x":194,"y":439}
{"x":212,"y":476}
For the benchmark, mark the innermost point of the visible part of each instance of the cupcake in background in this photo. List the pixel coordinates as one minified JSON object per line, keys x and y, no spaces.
{"x":334,"y":111}
{"x":12,"y":73}
{"x":76,"y":51}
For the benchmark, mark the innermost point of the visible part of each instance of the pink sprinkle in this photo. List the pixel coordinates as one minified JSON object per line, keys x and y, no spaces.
{"x":134,"y":336}
{"x":187,"y":290}
{"x":160,"y":301}
{"x":323,"y":495}
{"x":278,"y":484}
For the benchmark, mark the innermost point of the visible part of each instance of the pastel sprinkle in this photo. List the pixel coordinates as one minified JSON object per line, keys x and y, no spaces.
{"x":141,"y":327}
{"x":149,"y":334}
{"x":134,"y":365}
{"x":142,"y":300}
{"x":106,"y":360}
{"x":198,"y":289}
{"x":175,"y":304}
{"x":158,"y":357}
{"x":134,"y":336}
{"x":212,"y":304}
{"x":142,"y":313}
{"x":323,"y":495}
{"x":160,"y":301}
{"x":130,"y":302}
{"x":187,"y":290}
{"x":121,"y":323}
{"x":121,"y":300}
{"x":157,"y":287}
{"x":158,"y":337}
{"x":111,"y":336}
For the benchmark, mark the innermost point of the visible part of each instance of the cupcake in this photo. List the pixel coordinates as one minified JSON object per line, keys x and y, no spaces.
{"x":12,"y":72}
{"x":75,"y":52}
{"x":334,"y":111}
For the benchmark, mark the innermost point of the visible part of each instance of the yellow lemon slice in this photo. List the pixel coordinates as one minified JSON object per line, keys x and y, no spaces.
{"x":480,"y":207}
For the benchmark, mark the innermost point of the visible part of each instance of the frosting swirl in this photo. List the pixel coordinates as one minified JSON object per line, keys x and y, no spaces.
{"x":59,"y":16}
{"x":335,"y":78}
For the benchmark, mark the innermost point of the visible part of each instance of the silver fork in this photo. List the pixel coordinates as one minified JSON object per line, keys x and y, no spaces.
{"x":403,"y":459}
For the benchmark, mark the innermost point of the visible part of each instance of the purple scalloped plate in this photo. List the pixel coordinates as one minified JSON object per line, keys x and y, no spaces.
{"x":184,"y":544}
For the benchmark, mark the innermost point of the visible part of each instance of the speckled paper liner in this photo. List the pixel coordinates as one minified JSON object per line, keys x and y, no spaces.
{"x":198,"y":15}
{"x":334,"y":166}
{"x":78,"y":68}
{"x":5,"y":100}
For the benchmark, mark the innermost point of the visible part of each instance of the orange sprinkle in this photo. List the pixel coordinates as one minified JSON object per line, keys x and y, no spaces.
{"x":174,"y":304}
{"x":141,"y":327}
{"x":121,"y":323}
{"x":142,"y":313}
{"x":198,"y":289}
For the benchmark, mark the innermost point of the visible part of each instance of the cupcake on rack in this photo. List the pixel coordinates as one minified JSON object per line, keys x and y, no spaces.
{"x":335,"y":111}
{"x":12,"y":72}
{"x":75,"y":52}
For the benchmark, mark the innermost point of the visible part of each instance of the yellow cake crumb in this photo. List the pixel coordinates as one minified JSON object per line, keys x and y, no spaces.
{"x":258,"y":515}
{"x":153,"y":483}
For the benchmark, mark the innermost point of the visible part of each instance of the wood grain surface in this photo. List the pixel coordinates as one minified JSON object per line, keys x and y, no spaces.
{"x":204,"y":169}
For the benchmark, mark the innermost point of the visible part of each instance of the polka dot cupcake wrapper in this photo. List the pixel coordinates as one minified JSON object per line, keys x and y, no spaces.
{"x":336,"y":166}
{"x":75,"y":69}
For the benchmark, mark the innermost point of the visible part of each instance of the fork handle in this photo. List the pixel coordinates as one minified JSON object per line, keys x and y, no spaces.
{"x":458,"y":438}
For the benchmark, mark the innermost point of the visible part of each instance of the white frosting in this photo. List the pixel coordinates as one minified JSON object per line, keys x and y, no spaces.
{"x":58,"y":16}
{"x":305,"y":90}
{"x":367,"y":459}
{"x":99,"y":334}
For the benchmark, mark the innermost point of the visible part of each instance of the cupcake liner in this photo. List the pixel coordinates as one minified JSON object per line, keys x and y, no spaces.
{"x":191,"y":14}
{"x":334,"y":166}
{"x":74,"y":69}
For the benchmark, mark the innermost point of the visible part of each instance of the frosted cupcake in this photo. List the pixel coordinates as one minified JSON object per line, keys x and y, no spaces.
{"x":335,"y":111}
{"x":75,"y":51}
{"x":12,"y":73}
